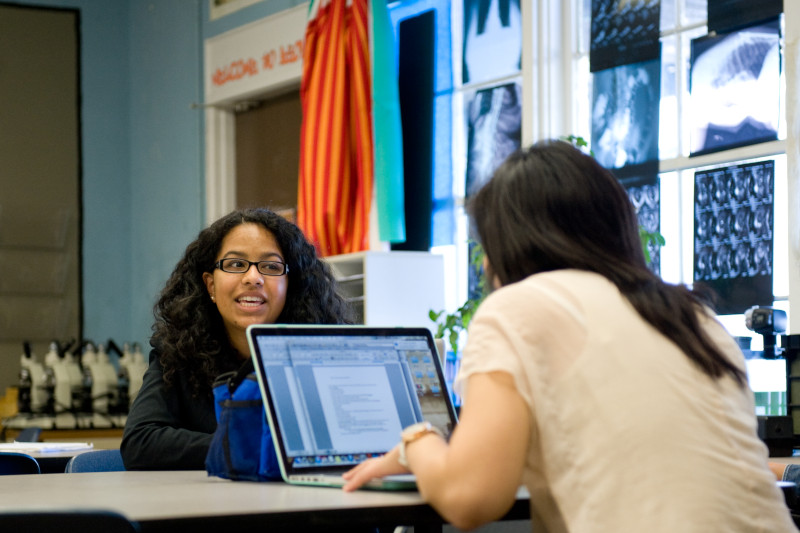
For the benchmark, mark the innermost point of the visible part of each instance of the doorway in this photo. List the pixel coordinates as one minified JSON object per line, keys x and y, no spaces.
{"x":268,"y":153}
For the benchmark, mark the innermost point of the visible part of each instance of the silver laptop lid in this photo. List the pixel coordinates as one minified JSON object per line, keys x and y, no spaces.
{"x":337,"y":395}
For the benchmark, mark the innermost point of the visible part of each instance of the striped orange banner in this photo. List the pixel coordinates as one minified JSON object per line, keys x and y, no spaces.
{"x":336,"y":157}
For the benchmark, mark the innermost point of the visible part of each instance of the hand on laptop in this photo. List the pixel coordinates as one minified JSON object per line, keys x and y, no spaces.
{"x":385,"y":465}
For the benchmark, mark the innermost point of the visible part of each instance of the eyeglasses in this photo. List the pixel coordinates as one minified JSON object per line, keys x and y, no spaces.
{"x":240,"y":266}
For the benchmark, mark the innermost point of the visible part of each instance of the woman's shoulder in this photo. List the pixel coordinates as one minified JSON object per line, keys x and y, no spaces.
{"x":558,"y":285}
{"x":542,"y":294}
{"x":553,"y":299}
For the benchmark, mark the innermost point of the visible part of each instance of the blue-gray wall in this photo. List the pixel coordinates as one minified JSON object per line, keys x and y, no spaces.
{"x":166,"y":146}
{"x":143,"y":149}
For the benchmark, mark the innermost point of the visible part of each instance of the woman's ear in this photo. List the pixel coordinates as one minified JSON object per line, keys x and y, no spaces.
{"x":208,"y":279}
{"x":494,"y":281}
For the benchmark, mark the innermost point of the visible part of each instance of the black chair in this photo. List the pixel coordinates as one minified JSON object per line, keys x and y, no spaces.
{"x":29,"y":435}
{"x":95,"y":521}
{"x":96,"y":461}
{"x":13,"y":463}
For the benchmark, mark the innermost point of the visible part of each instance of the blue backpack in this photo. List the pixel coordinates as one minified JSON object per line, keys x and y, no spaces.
{"x":242,"y":447}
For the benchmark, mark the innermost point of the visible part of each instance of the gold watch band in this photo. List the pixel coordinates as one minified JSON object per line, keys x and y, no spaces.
{"x":413,"y":433}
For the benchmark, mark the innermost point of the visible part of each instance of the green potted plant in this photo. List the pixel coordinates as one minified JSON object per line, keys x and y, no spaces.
{"x":450,"y":325}
{"x":647,"y":237}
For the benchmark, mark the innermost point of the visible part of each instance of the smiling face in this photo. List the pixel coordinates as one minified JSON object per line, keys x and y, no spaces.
{"x":250,"y":297}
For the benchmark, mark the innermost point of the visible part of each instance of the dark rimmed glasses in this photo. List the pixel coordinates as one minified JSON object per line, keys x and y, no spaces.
{"x":240,"y":266}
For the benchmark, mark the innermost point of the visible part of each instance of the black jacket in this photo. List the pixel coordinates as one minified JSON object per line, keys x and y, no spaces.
{"x":168,"y":428}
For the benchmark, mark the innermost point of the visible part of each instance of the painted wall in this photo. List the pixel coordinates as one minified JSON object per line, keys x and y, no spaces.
{"x":142,"y":149}
{"x":166,"y":145}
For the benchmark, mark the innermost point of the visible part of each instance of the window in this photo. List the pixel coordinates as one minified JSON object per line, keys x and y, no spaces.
{"x":462,"y":88}
{"x":681,"y":22}
{"x":477,"y":96}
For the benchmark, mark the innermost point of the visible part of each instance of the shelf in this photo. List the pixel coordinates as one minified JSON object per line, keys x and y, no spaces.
{"x":391,"y":288}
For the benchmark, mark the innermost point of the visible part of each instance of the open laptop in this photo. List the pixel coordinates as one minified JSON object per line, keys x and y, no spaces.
{"x":337,"y":395}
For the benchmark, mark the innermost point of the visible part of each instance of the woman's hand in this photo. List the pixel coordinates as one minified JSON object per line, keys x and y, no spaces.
{"x":385,"y":465}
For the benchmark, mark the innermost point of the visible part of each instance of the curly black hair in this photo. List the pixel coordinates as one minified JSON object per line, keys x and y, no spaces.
{"x":188,"y":331}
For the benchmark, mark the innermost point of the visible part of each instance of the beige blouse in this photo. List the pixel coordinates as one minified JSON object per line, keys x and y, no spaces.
{"x":628,"y":434}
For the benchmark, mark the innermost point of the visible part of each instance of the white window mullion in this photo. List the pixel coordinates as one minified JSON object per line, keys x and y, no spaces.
{"x":220,"y":162}
{"x":792,"y":112}
{"x":529,"y":73}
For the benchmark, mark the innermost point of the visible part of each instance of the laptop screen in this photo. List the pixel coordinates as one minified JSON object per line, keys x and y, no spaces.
{"x":341,"y":394}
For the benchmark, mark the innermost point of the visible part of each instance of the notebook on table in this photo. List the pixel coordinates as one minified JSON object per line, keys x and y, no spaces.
{"x":337,"y":395}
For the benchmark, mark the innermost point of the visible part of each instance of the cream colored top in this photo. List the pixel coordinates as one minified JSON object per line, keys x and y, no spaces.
{"x":628,"y":435}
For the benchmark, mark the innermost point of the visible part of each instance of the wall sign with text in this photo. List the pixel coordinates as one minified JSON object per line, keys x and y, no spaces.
{"x":256,"y":58}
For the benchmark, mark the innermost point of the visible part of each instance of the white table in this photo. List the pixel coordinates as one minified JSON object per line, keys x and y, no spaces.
{"x":165,"y":500}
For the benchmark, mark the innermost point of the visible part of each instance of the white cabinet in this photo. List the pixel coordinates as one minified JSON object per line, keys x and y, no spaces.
{"x":391,"y":288}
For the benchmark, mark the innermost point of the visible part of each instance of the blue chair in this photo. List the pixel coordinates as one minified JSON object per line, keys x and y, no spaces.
{"x":96,"y":461}
{"x":92,"y":521}
{"x":13,"y":463}
{"x":29,"y":435}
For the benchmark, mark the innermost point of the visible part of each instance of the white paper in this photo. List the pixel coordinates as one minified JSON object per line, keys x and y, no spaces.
{"x":44,"y":447}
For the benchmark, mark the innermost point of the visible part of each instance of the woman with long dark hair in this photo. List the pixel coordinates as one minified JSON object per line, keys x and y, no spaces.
{"x":615,"y":398}
{"x":250,"y":267}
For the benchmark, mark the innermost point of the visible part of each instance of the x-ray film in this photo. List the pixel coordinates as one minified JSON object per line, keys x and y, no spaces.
{"x":735,"y":88}
{"x":733,"y":234}
{"x":625,"y":110}
{"x":645,"y":195}
{"x":494,"y":131}
{"x":623,"y":32}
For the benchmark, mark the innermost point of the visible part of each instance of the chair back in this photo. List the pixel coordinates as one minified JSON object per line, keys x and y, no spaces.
{"x":96,"y":461}
{"x":29,"y":435}
{"x":90,"y":521}
{"x":13,"y":463}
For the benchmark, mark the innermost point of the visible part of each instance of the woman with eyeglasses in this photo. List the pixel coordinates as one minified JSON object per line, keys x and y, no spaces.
{"x":250,"y":267}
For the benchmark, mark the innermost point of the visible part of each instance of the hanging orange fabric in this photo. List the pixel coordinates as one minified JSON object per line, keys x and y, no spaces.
{"x":336,"y":157}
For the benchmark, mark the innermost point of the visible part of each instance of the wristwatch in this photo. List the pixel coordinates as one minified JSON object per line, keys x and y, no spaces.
{"x":412,"y":433}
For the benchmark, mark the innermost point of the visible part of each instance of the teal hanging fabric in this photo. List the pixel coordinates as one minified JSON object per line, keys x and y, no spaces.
{"x":387,"y":129}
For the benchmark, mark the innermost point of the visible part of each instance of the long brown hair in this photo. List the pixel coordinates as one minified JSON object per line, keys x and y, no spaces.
{"x":553,"y":207}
